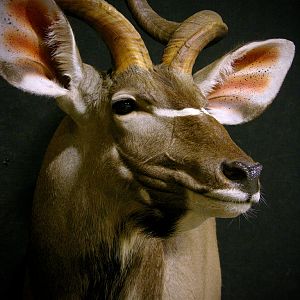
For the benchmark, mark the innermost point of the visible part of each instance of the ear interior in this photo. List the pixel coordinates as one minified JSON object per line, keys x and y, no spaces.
{"x":38,"y":52}
{"x":243,"y":83}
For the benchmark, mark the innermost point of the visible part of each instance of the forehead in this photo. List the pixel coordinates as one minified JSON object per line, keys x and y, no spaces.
{"x":159,"y":87}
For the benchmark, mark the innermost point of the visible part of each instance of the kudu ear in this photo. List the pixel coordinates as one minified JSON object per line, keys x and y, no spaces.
{"x":243,"y":83}
{"x":38,"y":53}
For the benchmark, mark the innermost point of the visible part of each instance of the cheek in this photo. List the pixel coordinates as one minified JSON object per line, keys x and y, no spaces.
{"x":141,"y":135}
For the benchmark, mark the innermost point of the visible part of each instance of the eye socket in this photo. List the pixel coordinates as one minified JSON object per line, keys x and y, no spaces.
{"x":124,"y":106}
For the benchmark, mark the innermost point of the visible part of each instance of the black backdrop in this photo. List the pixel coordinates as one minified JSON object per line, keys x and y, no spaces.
{"x":259,"y":256}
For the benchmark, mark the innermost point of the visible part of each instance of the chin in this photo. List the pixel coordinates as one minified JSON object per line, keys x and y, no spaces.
{"x":202,"y":207}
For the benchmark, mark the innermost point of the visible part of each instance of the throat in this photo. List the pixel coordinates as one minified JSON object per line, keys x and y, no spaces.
{"x":130,"y":269}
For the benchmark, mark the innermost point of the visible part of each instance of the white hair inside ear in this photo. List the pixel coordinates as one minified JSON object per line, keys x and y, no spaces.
{"x":39,"y":55}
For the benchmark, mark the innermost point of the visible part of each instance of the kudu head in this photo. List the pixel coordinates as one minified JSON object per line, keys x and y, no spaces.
{"x":147,"y":138}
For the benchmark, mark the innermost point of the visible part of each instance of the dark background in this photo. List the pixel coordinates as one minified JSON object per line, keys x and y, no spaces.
{"x":260,"y":253}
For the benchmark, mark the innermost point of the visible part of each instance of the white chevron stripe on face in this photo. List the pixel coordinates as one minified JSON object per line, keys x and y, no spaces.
{"x":173,"y":113}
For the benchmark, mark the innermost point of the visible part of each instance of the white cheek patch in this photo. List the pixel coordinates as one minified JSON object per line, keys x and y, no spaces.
{"x":125,"y":173}
{"x":114,"y":153}
{"x":173,"y":113}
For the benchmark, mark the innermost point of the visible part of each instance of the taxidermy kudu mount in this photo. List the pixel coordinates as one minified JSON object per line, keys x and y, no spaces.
{"x":136,"y":173}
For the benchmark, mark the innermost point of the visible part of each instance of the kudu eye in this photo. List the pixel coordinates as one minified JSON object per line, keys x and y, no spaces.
{"x":124,"y":106}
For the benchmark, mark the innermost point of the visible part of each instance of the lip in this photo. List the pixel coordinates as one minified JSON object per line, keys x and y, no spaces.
{"x":233,"y":196}
{"x":207,"y":196}
{"x":234,"y":202}
{"x":248,"y":201}
{"x":213,"y":206}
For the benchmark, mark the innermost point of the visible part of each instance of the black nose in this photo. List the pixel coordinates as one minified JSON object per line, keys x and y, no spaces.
{"x":243,"y":173}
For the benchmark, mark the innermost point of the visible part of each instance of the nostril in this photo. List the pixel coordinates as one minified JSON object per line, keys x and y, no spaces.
{"x":240,"y":171}
{"x":234,"y":171}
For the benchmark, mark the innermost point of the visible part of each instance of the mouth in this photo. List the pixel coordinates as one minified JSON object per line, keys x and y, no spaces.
{"x":226,"y":203}
{"x":234,"y":196}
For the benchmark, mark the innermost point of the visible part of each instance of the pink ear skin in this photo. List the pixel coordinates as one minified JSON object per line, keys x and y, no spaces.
{"x":264,"y":56}
{"x":251,"y":73}
{"x":244,"y":82}
{"x":252,"y":83}
{"x":32,"y":57}
{"x":25,"y":52}
{"x":27,"y":35}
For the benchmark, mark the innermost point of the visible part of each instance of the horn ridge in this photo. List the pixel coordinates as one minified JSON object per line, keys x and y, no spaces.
{"x":191,"y":37}
{"x":158,"y":27}
{"x":125,"y":43}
